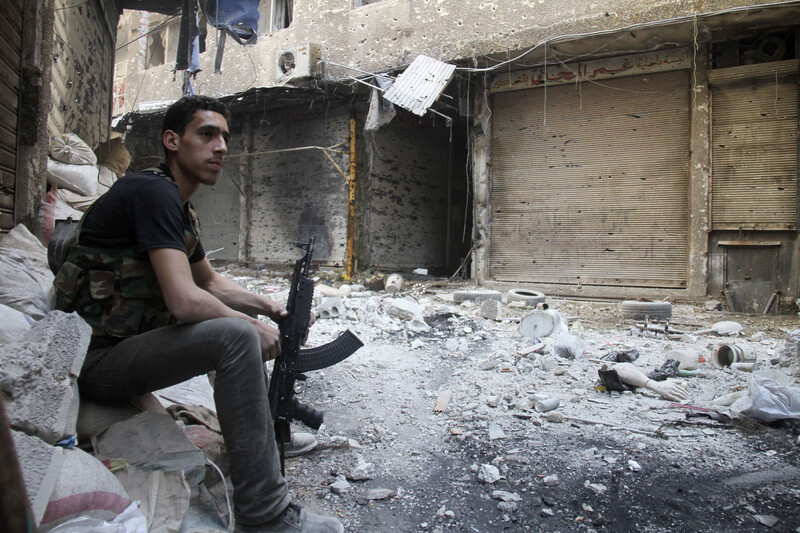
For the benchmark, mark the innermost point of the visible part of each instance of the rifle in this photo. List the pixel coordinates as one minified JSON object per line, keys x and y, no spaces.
{"x":293,"y":362}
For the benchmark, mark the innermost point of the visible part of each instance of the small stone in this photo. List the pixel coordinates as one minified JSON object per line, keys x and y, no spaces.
{"x":555,"y":416}
{"x":758,"y":336}
{"x":416,"y":343}
{"x":546,"y":513}
{"x":597,"y":488}
{"x":588,"y":508}
{"x":766,"y":519}
{"x":506,"y":496}
{"x":339,"y":487}
{"x":713,"y":305}
{"x":362,"y":471}
{"x":449,"y":514}
{"x":496,"y":432}
{"x":456,"y":431}
{"x":551,"y":480}
{"x":489,"y":474}
{"x":508,"y":507}
{"x":634,"y":466}
{"x":380,"y":494}
{"x":452,"y":345}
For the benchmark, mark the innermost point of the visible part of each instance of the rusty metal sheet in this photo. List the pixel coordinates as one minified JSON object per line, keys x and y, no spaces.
{"x":418,"y":87}
{"x":590,"y":185}
{"x":754,"y":148}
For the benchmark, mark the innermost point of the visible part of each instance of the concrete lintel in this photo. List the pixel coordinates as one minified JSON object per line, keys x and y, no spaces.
{"x":599,"y":292}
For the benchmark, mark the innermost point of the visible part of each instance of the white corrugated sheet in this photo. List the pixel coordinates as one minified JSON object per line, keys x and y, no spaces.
{"x":418,"y":87}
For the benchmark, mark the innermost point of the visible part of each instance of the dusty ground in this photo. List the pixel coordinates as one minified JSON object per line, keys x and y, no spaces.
{"x":696,"y":473}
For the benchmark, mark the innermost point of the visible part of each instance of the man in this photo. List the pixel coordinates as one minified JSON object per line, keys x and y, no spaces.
{"x":160,"y":314}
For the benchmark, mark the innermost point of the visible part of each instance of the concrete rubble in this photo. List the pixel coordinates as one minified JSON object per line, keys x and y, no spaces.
{"x":525,"y":425}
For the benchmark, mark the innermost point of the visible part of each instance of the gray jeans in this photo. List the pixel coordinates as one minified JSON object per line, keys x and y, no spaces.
{"x":171,"y":355}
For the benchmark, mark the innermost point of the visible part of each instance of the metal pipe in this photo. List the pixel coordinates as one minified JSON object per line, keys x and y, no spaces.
{"x":770,"y":302}
{"x":15,"y":511}
{"x":351,"y":200}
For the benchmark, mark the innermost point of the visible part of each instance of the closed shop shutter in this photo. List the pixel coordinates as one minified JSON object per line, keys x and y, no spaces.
{"x":10,"y":65}
{"x":590,"y":183}
{"x":754,"y":147}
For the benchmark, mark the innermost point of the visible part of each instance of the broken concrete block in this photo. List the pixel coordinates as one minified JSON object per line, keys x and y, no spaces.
{"x":491,"y":310}
{"x":332,"y":308}
{"x":40,"y":464}
{"x":789,"y":353}
{"x":404,"y":308}
{"x":489,"y":474}
{"x":38,"y":376}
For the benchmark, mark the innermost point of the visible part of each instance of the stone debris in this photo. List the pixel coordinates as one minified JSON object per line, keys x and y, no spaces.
{"x":506,"y":496}
{"x":362,"y":471}
{"x":340,"y":486}
{"x":496,"y":432}
{"x":555,"y":417}
{"x":380,"y":494}
{"x":489,"y":474}
{"x":766,"y":520}
{"x":551,"y":480}
{"x":597,"y":488}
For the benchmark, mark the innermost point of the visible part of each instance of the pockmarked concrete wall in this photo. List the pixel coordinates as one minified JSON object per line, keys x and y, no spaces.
{"x":389,"y":34}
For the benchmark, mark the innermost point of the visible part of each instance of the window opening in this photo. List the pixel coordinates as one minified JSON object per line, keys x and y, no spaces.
{"x":765,"y":48}
{"x":282,"y":14}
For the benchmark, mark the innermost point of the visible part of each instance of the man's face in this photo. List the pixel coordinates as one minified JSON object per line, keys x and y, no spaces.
{"x":202,"y":147}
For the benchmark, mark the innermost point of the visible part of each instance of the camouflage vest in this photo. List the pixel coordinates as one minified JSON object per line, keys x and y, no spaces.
{"x":114,"y":289}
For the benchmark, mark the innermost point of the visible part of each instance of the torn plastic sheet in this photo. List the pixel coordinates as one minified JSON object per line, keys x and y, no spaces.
{"x":239,"y":18}
{"x":770,"y":397}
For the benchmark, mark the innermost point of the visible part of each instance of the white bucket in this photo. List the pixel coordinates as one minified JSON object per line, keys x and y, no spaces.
{"x":542,"y":324}
{"x":725,"y":354}
{"x":394,"y":282}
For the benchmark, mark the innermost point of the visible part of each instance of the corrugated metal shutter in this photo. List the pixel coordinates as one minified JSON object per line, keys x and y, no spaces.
{"x":590,"y":183}
{"x":754,"y":146}
{"x":10,"y":66}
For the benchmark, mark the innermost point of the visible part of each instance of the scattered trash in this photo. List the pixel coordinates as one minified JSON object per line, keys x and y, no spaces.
{"x":421,"y":271}
{"x":727,"y":354}
{"x":393,"y":284}
{"x":621,"y":356}
{"x":726,"y":327}
{"x":547,"y":404}
{"x":668,"y":370}
{"x":542,"y":324}
{"x":687,"y":359}
{"x":770,"y":397}
{"x":568,"y":346}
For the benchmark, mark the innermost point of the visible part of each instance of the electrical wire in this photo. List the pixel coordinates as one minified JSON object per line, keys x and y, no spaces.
{"x":72,"y":6}
{"x":631,"y":27}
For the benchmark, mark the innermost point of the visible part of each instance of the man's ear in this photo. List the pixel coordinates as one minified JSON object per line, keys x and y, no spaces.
{"x":171,"y":140}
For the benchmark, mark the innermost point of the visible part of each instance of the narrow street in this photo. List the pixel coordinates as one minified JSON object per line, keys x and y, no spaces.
{"x":645,"y":465}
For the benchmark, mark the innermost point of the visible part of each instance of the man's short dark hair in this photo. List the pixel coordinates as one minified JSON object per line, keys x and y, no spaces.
{"x":181,"y":112}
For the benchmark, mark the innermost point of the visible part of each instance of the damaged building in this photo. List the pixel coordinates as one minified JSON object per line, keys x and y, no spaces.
{"x":621,"y":150}
{"x":510,"y":175}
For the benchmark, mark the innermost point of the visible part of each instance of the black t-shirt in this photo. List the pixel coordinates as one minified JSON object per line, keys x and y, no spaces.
{"x":141,"y":210}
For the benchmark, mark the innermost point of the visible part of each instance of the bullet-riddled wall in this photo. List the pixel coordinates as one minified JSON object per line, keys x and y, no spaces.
{"x":286,"y":179}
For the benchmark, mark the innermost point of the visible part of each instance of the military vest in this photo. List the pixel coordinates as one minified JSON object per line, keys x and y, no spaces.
{"x":115,"y":290}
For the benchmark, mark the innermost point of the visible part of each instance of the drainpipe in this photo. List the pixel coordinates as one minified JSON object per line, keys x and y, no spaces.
{"x":351,"y":200}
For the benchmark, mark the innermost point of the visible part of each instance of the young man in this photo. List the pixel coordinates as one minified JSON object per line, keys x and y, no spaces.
{"x":160,"y":314}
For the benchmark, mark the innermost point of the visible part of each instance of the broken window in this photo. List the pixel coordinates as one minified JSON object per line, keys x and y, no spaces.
{"x":359,"y":3}
{"x":282,"y":14}
{"x":764,"y":48}
{"x":156,"y":49}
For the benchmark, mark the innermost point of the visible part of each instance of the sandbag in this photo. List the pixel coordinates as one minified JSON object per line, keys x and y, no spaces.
{"x":81,"y":179}
{"x":85,"y":488}
{"x":27,"y":281}
{"x":53,"y":208}
{"x":13,"y":324}
{"x":113,"y":155}
{"x":69,"y":148}
{"x":79,"y":201}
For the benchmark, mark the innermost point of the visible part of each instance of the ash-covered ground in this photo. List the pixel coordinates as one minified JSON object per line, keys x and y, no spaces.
{"x":431,"y":426}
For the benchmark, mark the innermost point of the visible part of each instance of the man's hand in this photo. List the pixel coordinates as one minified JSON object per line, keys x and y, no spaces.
{"x":270,"y":340}
{"x":311,"y":319}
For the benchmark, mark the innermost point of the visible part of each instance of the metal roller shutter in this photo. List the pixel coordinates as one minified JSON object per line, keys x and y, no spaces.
{"x":754,"y":147}
{"x":590,"y":183}
{"x":10,"y":66}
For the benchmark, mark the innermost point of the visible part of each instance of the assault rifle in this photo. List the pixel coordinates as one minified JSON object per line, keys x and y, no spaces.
{"x":293,"y":362}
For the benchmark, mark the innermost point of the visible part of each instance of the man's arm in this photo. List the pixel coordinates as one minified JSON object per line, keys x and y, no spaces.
{"x":190,"y":303}
{"x":232,"y":294}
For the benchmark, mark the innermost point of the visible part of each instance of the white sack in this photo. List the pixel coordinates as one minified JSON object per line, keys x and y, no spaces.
{"x":77,"y":178}
{"x":770,"y":397}
{"x":13,"y":325}
{"x":69,"y":148}
{"x":27,"y":281}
